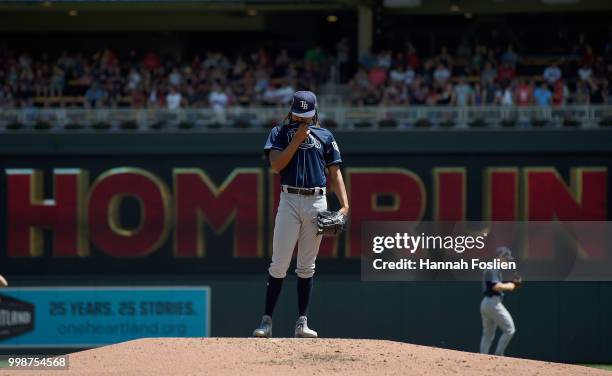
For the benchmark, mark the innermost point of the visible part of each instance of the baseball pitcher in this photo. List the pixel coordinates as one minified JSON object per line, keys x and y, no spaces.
{"x":305,"y":155}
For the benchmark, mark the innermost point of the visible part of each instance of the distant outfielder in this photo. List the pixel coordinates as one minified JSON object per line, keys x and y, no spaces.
{"x":492,"y":311}
{"x":301,"y":151}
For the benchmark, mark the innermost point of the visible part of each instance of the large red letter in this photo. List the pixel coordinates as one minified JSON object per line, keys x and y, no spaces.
{"x":28,"y":212}
{"x":105,"y":198}
{"x":548,"y":198}
{"x":449,"y":184}
{"x":238,"y":199}
{"x":500,"y":193}
{"x":364,"y":187}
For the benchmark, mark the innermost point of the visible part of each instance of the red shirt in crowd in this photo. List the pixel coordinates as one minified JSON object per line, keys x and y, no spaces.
{"x":558,"y":93}
{"x":377,"y":76}
{"x":523,"y":95}
{"x":151,"y":61}
{"x":413,"y":60}
{"x":505,"y":73}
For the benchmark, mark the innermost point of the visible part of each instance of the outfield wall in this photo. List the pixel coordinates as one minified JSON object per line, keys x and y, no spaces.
{"x":87,"y":237}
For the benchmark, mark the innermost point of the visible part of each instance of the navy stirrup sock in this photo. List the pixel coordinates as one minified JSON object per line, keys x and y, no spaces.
{"x":304,"y":290}
{"x":273,"y":289}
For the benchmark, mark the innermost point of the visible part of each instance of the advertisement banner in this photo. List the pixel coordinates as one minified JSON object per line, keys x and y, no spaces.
{"x":95,"y":316}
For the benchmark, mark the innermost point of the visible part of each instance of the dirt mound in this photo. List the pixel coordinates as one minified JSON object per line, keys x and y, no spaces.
{"x":283,"y":356}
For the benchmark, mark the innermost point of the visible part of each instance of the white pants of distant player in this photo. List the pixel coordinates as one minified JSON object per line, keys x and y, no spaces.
{"x":494,"y":314}
{"x":296,"y":221}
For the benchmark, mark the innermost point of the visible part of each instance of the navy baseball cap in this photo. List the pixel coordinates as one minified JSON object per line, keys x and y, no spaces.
{"x":504,"y":252}
{"x":304,"y":104}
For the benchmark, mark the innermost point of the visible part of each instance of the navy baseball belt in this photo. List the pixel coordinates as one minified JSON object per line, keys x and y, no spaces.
{"x":303,"y":191}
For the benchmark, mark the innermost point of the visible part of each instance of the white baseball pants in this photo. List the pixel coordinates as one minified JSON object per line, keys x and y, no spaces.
{"x":494,"y":314}
{"x":296,"y":221}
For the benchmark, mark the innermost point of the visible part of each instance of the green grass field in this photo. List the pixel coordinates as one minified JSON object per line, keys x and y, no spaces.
{"x":3,"y":364}
{"x":607,"y":367}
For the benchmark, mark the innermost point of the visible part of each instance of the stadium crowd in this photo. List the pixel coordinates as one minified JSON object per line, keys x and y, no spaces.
{"x":106,"y":79}
{"x":481,"y":76}
{"x":473,"y":75}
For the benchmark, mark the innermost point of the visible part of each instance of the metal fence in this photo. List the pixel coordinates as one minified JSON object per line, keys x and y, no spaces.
{"x":411,"y":117}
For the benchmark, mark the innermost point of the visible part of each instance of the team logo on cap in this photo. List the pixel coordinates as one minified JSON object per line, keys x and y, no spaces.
{"x":304,"y":105}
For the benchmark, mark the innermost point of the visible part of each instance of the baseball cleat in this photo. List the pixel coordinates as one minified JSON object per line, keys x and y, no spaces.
{"x":302,"y":330}
{"x":264,"y":330}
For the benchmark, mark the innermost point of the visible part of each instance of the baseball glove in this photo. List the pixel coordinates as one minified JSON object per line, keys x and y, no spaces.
{"x":330,"y":223}
{"x":518,"y":281}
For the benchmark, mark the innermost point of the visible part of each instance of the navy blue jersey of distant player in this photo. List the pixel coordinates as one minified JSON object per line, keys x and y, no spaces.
{"x":491,"y":277}
{"x":307,"y":167}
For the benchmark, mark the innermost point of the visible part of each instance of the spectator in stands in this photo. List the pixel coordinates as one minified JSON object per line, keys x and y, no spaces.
{"x":372,"y":95}
{"x":464,"y":50}
{"x":219,"y":100}
{"x":151,"y":61}
{"x":402,"y":74}
{"x":393,"y":95}
{"x":441,"y":75}
{"x":478,"y":60}
{"x":6,"y":96}
{"x":509,"y":56}
{"x":41,"y":81}
{"x":542,"y":95}
{"x":560,"y":93}
{"x":377,"y":76}
{"x":524,"y":93}
{"x":585,"y":72}
{"x":384,"y":59}
{"x":492,"y":93}
{"x":57,"y":82}
{"x":478,"y":96}
{"x":173,"y":99}
{"x":445,"y":59}
{"x":412,"y":59}
{"x":506,"y":73}
{"x":552,"y":74}
{"x":343,"y":58}
{"x":446,"y":95}
{"x":94,"y":96}
{"x":489,"y":73}
{"x":138,"y":98}
{"x":134,"y":79}
{"x":588,"y":57}
{"x":602,"y":68}
{"x":598,"y":91}
{"x":358,"y":86}
{"x":463,"y":93}
{"x":315,"y":55}
{"x":507,"y":96}
{"x":113,"y":94}
{"x":418,"y":91}
{"x":175,"y":78}
{"x":582,"y":93}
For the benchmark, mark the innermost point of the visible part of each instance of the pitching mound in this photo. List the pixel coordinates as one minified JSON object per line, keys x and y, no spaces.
{"x":283,"y":356}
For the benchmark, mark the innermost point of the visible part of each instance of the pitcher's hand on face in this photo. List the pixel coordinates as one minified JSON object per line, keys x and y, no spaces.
{"x":302,"y":133}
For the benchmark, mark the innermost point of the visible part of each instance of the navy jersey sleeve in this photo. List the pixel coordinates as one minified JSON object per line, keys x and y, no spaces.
{"x":274,"y":141}
{"x":332,"y":152}
{"x":491,"y":278}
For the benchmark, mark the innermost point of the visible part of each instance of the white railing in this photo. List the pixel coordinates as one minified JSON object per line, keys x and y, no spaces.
{"x":341,"y":116}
